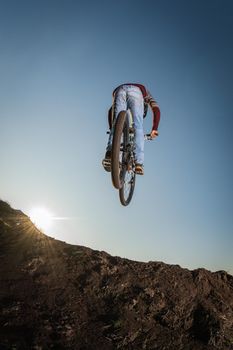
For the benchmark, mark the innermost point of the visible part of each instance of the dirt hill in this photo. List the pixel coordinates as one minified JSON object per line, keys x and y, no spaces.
{"x":55,"y":295}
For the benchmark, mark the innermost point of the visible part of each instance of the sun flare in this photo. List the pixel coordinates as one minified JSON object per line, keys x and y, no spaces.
{"x":41,"y":217}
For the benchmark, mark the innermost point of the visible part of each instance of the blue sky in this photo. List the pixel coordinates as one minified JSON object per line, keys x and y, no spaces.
{"x":60,"y":61}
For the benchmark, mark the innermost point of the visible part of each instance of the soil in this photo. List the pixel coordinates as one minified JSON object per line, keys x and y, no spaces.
{"x":54,"y":295}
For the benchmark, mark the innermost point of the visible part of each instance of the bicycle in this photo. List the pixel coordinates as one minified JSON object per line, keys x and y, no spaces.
{"x":123,"y":156}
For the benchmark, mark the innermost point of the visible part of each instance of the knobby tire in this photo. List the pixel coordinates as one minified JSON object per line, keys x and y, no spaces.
{"x":121,"y":129}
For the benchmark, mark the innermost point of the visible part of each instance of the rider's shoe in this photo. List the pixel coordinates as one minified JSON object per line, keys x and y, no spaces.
{"x":107,"y":161}
{"x":139,"y":170}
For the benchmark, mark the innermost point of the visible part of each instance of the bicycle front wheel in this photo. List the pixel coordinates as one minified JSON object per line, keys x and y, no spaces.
{"x":119,"y":148}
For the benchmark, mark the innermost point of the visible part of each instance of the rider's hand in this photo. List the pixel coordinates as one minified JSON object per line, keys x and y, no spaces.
{"x":154,"y":134}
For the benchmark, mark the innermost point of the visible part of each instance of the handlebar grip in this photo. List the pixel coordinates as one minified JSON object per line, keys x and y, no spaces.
{"x":148,"y":137}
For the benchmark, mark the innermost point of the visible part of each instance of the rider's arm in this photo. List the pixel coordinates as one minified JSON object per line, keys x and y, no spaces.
{"x":156,"y":112}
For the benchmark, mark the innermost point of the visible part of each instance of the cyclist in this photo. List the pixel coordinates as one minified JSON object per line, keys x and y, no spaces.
{"x":136,"y":98}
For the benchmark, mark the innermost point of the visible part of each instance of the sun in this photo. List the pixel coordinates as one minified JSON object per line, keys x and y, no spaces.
{"x":41,"y":217}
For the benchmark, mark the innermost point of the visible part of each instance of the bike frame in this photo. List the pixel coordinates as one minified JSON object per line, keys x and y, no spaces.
{"x":123,"y":156}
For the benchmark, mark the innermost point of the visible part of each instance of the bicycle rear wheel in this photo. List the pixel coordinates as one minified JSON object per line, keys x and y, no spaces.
{"x":119,"y":148}
{"x":127,"y":189}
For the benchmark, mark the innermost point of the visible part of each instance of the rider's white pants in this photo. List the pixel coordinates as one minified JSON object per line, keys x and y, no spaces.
{"x":130,"y":97}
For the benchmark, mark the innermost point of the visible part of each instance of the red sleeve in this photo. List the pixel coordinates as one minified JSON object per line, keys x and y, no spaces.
{"x":155,"y":110}
{"x":156,"y":117}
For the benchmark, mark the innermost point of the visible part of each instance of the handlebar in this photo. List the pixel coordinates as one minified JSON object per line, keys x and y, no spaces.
{"x":147,"y":137}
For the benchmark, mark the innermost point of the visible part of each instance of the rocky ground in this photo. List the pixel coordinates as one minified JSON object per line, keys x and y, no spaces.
{"x":55,"y":295}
